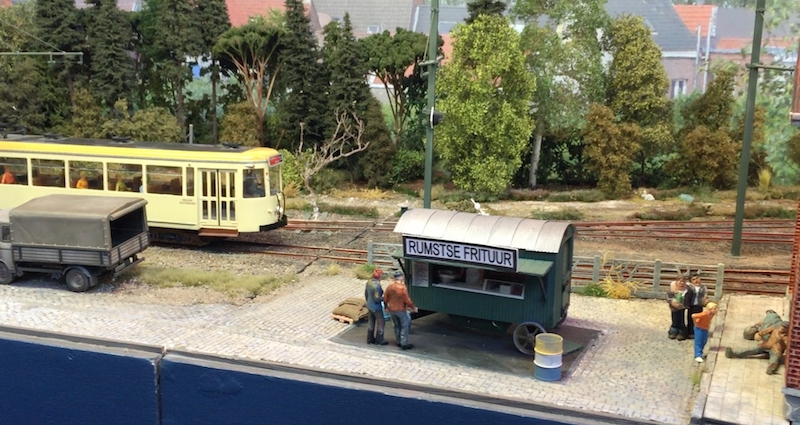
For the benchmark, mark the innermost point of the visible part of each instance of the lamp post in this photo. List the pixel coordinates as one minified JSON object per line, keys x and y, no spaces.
{"x":431,"y":63}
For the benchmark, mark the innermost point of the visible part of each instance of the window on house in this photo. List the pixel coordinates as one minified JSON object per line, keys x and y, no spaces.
{"x":373,"y":29}
{"x":679,"y":87}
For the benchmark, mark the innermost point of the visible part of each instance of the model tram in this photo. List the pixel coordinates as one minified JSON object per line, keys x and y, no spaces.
{"x":193,"y":191}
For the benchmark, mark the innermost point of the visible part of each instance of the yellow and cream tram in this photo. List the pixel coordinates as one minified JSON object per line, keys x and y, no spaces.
{"x":192,"y":190}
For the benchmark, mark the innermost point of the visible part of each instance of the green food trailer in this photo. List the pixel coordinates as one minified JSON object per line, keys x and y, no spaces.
{"x":514,"y":272}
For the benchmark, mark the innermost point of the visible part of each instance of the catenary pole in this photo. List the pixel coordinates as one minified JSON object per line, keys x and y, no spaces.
{"x":744,"y":162}
{"x":433,"y":41}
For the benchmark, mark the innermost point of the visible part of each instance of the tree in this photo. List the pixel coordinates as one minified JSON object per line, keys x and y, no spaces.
{"x":59,"y":28}
{"x":240,"y":125}
{"x":111,"y":66}
{"x":87,"y":117}
{"x":214,"y":16}
{"x":177,"y":39}
{"x":305,"y":80}
{"x":153,"y":124}
{"x":637,"y":87}
{"x":252,"y":52}
{"x":348,"y":90}
{"x":345,"y":140}
{"x":376,"y":161}
{"x":389,"y":58}
{"x":609,"y":148}
{"x":565,"y":55}
{"x":20,"y":100}
{"x":484,"y":7}
{"x":484,"y":93}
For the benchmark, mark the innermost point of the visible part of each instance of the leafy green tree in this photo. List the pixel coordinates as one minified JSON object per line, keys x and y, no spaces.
{"x":637,"y":87}
{"x":793,"y":148}
{"x":484,"y":7}
{"x":758,"y":152}
{"x":348,"y":87}
{"x":377,"y":159}
{"x":251,"y":52}
{"x":389,"y":57}
{"x":153,"y":124}
{"x":565,"y":55}
{"x":177,"y":37}
{"x":215,"y":21}
{"x":109,"y":33}
{"x":305,"y":108}
{"x":20,"y":100}
{"x":59,"y":27}
{"x":484,"y":93}
{"x":609,"y":148}
{"x":240,"y":125}
{"x":87,"y":117}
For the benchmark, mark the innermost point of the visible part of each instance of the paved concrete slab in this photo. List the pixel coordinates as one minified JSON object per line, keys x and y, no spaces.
{"x":740,"y":391}
{"x":633,"y":370}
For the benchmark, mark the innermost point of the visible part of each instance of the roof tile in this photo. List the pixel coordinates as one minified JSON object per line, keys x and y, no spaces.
{"x":694,"y":16}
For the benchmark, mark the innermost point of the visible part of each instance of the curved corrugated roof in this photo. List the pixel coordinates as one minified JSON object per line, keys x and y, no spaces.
{"x":511,"y":232}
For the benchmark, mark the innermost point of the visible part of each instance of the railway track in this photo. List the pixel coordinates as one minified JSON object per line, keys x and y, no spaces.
{"x":742,"y":281}
{"x":754,"y":231}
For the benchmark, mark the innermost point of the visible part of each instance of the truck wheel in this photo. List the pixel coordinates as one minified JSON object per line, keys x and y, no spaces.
{"x":5,"y":274}
{"x":79,"y":279}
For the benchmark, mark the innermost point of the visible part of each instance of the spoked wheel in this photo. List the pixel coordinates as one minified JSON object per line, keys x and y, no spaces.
{"x":525,"y":336}
{"x":79,"y":279}
{"x":5,"y":274}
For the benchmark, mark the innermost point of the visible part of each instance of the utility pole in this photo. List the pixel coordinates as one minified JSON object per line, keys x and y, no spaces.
{"x":752,"y":87}
{"x":432,"y":64}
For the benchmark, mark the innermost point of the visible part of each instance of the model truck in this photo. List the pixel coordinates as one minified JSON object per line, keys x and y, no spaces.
{"x":75,"y":237}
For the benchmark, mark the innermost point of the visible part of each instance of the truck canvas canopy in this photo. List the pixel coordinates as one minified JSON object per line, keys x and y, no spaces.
{"x":73,"y":221}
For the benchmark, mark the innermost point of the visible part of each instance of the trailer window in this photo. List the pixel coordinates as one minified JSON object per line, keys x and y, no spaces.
{"x":274,"y":176}
{"x":48,"y":172}
{"x":254,"y":183}
{"x":13,"y":171}
{"x":189,"y":181}
{"x":164,"y":180}
{"x":86,"y":175}
{"x":6,"y":234}
{"x":124,"y":177}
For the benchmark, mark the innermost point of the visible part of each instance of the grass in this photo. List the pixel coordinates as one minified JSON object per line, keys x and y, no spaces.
{"x":697,"y":375}
{"x":364,"y":271}
{"x":291,"y":190}
{"x":583,"y":195}
{"x":528,"y":194}
{"x":593,"y":289}
{"x":221,"y":281}
{"x":767,"y":211}
{"x":357,"y":210}
{"x":565,"y":214}
{"x":685,"y":213}
{"x":406,"y":191}
{"x":333,"y":269}
{"x":298,"y":204}
{"x":370,"y":194}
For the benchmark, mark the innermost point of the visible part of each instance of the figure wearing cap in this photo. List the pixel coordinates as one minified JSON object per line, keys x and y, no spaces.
{"x":398,"y":303}
{"x":373,"y":293}
{"x":702,"y":322}
{"x":772,"y":347}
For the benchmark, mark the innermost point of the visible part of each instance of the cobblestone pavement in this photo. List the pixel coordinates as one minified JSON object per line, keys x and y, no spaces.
{"x":633,"y":370}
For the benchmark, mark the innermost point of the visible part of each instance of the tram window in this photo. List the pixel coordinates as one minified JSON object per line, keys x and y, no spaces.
{"x":48,"y":172}
{"x":254,"y":184}
{"x":164,"y":180}
{"x":13,"y":171}
{"x":124,"y":177}
{"x":189,"y":181}
{"x":274,"y":180}
{"x":86,"y":175}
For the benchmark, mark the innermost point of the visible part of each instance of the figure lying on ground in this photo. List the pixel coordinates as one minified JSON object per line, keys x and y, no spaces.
{"x":772,"y":345}
{"x":770,"y":320}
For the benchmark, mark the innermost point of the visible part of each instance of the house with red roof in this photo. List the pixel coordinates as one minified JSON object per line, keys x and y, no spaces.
{"x":240,"y":11}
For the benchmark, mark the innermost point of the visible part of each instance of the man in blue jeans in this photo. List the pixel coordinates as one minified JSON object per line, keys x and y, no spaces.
{"x":397,"y":304}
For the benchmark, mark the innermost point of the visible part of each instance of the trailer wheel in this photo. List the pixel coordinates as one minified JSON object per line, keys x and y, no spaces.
{"x":79,"y":279}
{"x":525,"y":336}
{"x":5,"y":274}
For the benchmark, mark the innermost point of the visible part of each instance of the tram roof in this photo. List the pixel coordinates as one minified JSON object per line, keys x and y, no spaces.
{"x":147,"y":150}
{"x":512,"y":232}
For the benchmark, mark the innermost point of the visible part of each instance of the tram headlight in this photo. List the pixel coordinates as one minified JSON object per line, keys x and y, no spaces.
{"x":280,"y":210}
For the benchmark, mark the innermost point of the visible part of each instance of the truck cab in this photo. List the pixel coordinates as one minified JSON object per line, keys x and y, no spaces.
{"x":7,"y":270}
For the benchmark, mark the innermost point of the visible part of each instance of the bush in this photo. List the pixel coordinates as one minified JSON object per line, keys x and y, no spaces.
{"x":587,"y":195}
{"x":437,"y":191}
{"x":328,"y":179}
{"x":333,"y":269}
{"x":686,"y":213}
{"x":593,"y":289}
{"x":364,"y":271}
{"x":564,"y":214}
{"x":406,"y":191}
{"x":290,"y":171}
{"x":767,"y":211}
{"x":297,"y":204}
{"x":358,"y":210}
{"x":291,"y":191}
{"x":407,"y":166}
{"x":528,"y":195}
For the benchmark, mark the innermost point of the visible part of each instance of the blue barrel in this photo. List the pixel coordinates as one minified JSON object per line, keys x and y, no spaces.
{"x":547,"y":361}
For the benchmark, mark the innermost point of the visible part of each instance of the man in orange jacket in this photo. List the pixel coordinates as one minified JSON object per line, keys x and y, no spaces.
{"x":397,"y":304}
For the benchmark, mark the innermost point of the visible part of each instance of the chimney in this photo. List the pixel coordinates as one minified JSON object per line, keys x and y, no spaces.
{"x":5,"y":3}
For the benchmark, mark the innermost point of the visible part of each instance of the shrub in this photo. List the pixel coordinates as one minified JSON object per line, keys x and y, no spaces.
{"x":328,"y":179}
{"x":297,"y":204}
{"x":767,"y":211}
{"x":332,"y":270}
{"x":407,"y":165}
{"x":614,"y":284}
{"x":686,"y":213}
{"x":528,"y":195}
{"x":586,"y":195}
{"x":358,"y":210}
{"x":406,"y":191}
{"x":463,"y":206}
{"x":593,"y":289}
{"x":565,"y":214}
{"x":291,"y":190}
{"x":764,"y":179}
{"x":437,"y":191}
{"x":664,"y":194}
{"x":364,"y":271}
{"x":290,"y":171}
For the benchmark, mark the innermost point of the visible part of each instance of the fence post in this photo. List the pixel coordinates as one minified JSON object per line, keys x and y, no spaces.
{"x":720,"y":280}
{"x":596,"y":269}
{"x":656,"y":275}
{"x":370,"y":253}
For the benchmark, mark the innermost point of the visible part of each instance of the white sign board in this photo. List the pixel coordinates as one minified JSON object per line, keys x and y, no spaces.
{"x":420,"y":274}
{"x":465,"y":253}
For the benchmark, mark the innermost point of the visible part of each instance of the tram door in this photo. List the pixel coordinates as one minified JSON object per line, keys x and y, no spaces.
{"x":217,"y":198}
